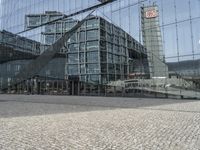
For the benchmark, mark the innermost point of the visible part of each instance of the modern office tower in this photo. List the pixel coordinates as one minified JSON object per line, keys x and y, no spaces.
{"x":152,"y":40}
{"x":99,"y":52}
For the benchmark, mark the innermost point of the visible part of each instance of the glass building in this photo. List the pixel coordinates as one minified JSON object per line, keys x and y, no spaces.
{"x":178,"y":23}
{"x":98,"y":52}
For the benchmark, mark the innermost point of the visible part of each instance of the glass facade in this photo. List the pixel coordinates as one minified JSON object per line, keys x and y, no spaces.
{"x":96,"y":39}
{"x":178,"y":22}
{"x":20,"y":43}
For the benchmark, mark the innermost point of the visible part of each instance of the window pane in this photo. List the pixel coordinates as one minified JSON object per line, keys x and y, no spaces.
{"x":92,"y":23}
{"x":73,"y":69}
{"x":92,"y":45}
{"x":73,"y":47}
{"x":72,"y":58}
{"x":92,"y":57}
{"x":92,"y":68}
{"x":92,"y":35}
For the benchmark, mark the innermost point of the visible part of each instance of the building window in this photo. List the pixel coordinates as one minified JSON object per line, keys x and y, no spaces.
{"x":34,"y":21}
{"x":73,"y":58}
{"x":44,"y":19}
{"x":92,"y":68}
{"x":53,"y":17}
{"x":92,"y":45}
{"x":110,"y":58}
{"x":116,"y":31}
{"x":49,"y":39}
{"x":81,"y":57}
{"x":83,"y":26}
{"x":109,"y":38}
{"x":118,"y":77}
{"x":21,"y":43}
{"x":103,"y":56}
{"x":116,"y":49}
{"x":109,"y":47}
{"x":82,"y":46}
{"x":17,"y":68}
{"x":108,"y":28}
{"x":82,"y":69}
{"x":28,"y":45}
{"x":82,"y":78}
{"x":92,"y":34}
{"x":103,"y":45}
{"x":116,"y":59}
{"x":123,"y":51}
{"x":58,"y":36}
{"x":50,"y":28}
{"x":73,"y":47}
{"x":116,"y":39}
{"x":69,"y":25}
{"x":73,"y":70}
{"x":8,"y":67}
{"x":111,"y":77}
{"x":103,"y":34}
{"x":103,"y":68}
{"x":92,"y":23}
{"x":122,"y":41}
{"x":102,"y":23}
{"x":9,"y":39}
{"x":58,"y":27}
{"x":93,"y":78}
{"x":82,"y":36}
{"x":92,"y":57}
{"x":117,"y":69}
{"x":73,"y":38}
{"x":123,"y":59}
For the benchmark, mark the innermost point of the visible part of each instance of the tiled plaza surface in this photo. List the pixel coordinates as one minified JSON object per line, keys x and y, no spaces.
{"x":93,"y":123}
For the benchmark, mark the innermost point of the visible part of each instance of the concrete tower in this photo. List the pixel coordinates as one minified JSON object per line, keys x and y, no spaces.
{"x":152,"y":40}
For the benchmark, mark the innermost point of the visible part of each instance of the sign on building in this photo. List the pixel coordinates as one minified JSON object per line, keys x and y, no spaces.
{"x":151,"y":14}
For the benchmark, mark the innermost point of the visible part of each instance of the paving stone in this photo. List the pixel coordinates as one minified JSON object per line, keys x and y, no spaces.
{"x":45,"y":126}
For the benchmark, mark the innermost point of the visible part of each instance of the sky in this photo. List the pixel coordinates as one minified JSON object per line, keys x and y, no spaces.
{"x":179,"y":20}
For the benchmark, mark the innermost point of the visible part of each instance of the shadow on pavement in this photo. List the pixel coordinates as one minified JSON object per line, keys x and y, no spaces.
{"x":33,"y":105}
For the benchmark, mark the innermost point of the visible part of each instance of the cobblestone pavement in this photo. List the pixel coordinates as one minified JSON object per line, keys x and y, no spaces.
{"x":82,"y":123}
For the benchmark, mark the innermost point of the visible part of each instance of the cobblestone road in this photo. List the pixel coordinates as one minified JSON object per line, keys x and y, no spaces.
{"x":50,"y":122}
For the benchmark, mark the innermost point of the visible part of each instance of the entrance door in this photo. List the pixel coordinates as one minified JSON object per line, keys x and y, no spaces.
{"x":73,"y":87}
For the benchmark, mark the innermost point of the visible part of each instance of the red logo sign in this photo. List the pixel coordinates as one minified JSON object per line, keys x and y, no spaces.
{"x":151,"y":14}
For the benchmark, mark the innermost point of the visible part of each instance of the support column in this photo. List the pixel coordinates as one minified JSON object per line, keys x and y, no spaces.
{"x":99,"y":90}
{"x":72,"y":87}
{"x":67,"y":86}
{"x":57,"y":86}
{"x":123,"y":92}
{"x":105,"y":87}
{"x":114,"y":90}
{"x":78,"y":88}
{"x":62,"y":87}
{"x":84,"y":84}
